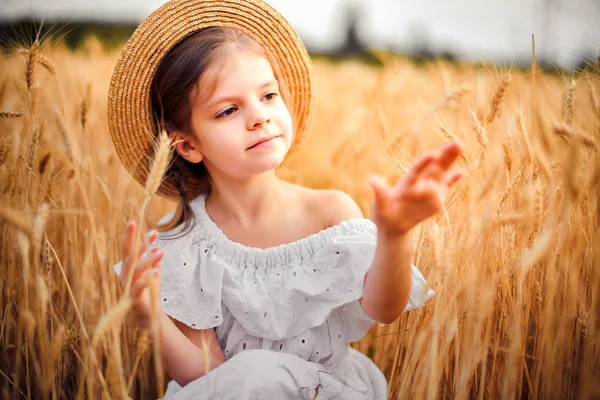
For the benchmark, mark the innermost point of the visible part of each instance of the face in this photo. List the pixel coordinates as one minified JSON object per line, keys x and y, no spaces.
{"x":243,"y":128}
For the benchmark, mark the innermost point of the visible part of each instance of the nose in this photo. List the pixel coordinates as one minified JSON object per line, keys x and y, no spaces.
{"x":258,"y":116}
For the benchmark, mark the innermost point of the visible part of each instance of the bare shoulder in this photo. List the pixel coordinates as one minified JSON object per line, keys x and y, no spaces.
{"x":334,"y":206}
{"x":325,"y":207}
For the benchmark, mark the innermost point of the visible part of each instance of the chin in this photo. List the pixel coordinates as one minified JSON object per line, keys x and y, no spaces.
{"x":269,"y":163}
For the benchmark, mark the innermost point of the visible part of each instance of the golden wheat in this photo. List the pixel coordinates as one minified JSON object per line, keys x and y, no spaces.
{"x":8,"y":114}
{"x":497,"y":100}
{"x":516,"y":240}
{"x":40,"y":58}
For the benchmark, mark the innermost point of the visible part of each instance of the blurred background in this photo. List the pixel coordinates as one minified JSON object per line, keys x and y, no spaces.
{"x":567,"y":31}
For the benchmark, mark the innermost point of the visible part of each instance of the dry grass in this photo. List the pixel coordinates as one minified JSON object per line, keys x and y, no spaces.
{"x":512,"y":258}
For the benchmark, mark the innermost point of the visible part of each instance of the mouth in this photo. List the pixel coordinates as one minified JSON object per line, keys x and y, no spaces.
{"x":263,"y":141}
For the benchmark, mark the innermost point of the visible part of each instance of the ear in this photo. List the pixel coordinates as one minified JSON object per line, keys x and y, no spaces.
{"x":186,"y":146}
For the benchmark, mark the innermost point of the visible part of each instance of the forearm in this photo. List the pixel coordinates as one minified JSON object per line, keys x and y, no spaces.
{"x":183,"y":359}
{"x":388,"y":282}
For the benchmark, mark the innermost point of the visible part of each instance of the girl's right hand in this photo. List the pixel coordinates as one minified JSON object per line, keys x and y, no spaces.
{"x":144,"y":266}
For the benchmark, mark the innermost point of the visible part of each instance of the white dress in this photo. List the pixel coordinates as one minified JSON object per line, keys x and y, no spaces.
{"x":284,"y":316}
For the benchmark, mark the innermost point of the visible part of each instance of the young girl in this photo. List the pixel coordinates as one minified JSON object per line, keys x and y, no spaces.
{"x":263,"y":284}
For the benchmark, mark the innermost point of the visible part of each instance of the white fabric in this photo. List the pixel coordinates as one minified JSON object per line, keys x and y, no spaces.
{"x":299,"y":298}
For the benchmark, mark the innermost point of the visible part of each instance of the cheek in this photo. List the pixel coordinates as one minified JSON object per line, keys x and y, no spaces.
{"x":285,"y":120}
{"x":218,"y":138}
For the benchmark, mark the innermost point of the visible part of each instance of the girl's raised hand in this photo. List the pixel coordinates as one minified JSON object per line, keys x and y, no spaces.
{"x":143,"y":266}
{"x":417,"y":196}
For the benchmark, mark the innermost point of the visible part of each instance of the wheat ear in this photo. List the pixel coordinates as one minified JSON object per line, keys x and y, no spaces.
{"x":113,"y":316}
{"x":42,"y":60}
{"x":497,"y":99}
{"x":85,"y":106}
{"x":569,"y":107}
{"x":30,"y":64}
{"x":9,"y":114}
{"x":38,"y":133}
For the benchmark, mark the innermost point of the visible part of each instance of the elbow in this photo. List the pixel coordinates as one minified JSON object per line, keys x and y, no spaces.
{"x":385,"y":317}
{"x":389,"y":314}
{"x":386,"y":321}
{"x":388,"y":318}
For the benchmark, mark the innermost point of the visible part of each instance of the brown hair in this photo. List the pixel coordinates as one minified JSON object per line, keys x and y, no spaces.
{"x":172,"y":88}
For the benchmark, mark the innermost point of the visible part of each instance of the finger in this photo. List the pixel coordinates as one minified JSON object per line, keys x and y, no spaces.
{"x":454,"y":177}
{"x":449,"y":154}
{"x":418,"y":168}
{"x":142,"y":283}
{"x":381,"y":191}
{"x":148,"y":260}
{"x":147,"y":240}
{"x":128,"y":261}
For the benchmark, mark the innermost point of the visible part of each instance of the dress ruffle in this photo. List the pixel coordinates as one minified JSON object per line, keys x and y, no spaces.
{"x":275,"y":293}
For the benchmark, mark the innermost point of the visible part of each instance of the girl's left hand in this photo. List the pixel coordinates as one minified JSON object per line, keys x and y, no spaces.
{"x":419,"y":195}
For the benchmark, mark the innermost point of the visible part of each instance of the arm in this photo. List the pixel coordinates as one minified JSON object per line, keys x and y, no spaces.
{"x":187,"y":353}
{"x":387,"y":284}
{"x":396,"y":211}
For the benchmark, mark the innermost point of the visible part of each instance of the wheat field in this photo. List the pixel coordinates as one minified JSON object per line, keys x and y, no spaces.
{"x":512,"y":258}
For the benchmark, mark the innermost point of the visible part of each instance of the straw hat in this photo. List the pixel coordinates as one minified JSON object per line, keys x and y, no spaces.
{"x":131,"y":121}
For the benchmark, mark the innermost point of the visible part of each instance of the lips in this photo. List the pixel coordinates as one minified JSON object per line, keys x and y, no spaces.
{"x":263,"y":140}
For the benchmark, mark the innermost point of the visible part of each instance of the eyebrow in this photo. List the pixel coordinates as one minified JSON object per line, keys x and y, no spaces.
{"x":229,"y":98}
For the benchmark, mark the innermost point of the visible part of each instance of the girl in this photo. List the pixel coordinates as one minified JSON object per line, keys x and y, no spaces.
{"x":263,"y":284}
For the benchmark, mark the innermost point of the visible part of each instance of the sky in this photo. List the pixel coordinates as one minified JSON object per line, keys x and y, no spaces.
{"x":565,"y":30}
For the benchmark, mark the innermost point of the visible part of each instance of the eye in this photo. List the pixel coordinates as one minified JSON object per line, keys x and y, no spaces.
{"x":270,"y":96}
{"x":226,"y":113}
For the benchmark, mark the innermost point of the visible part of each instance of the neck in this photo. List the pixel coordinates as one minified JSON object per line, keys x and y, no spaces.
{"x":246,"y":200}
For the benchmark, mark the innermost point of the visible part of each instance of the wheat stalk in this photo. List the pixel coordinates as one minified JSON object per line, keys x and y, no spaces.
{"x":142,"y":346}
{"x":34,"y":98}
{"x":538,"y":213}
{"x":38,"y":133}
{"x":452,"y":138}
{"x":534,"y":156}
{"x":47,"y":193}
{"x":479,"y":130}
{"x":567,"y":132}
{"x":39,"y":225}
{"x":595,"y":101}
{"x":509,"y":220}
{"x":79,"y":317}
{"x":10,"y":217}
{"x":113,"y":317}
{"x":5,"y":146}
{"x":45,"y":161}
{"x":64,"y":135}
{"x":538,"y":250}
{"x":43,"y":296}
{"x":572,"y":183}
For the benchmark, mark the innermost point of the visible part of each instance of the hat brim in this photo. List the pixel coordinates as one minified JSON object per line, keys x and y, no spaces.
{"x":131,"y":121}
